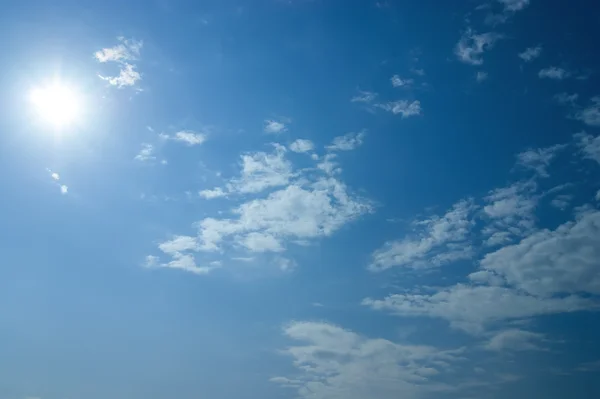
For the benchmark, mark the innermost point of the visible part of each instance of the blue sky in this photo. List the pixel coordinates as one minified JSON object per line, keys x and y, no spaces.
{"x":299,"y":199}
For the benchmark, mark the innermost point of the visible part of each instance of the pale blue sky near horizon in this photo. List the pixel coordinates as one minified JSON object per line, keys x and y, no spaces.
{"x":300,"y":199}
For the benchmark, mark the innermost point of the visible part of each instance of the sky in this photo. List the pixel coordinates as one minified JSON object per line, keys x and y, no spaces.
{"x":313,"y":199}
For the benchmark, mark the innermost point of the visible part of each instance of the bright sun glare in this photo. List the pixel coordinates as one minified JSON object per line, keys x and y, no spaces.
{"x":56,"y":104}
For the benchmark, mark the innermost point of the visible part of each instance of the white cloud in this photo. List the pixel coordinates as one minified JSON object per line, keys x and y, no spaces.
{"x":146,"y":153}
{"x":553,"y":72}
{"x":402,"y":107}
{"x":55,"y":176}
{"x":179,"y":244}
{"x":481,"y":76}
{"x":189,"y":137}
{"x":471,"y":46}
{"x":439,"y":240}
{"x":590,"y":146}
{"x":178,"y":249}
{"x":274,"y":127}
{"x":397,"y":81}
{"x":552,"y":262}
{"x":475,"y":308}
{"x":261,"y":170}
{"x":515,"y":340}
{"x":260,"y":242}
{"x":302,"y":145}
{"x":335,"y":363}
{"x":510,"y":211}
{"x":127,"y":50}
{"x":64,"y":189}
{"x":216,"y":192}
{"x":329,"y":165}
{"x":122,"y":54}
{"x":539,"y":159}
{"x":530,"y":53}
{"x":298,"y":212}
{"x":364,"y":97}
{"x":590,"y":115}
{"x":128,"y":76}
{"x":514,"y":5}
{"x":347,"y":142}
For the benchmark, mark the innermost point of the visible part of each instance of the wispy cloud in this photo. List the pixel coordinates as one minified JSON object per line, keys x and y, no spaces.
{"x":589,"y":145}
{"x":539,"y":159}
{"x":436,"y":241}
{"x":364,"y":97}
{"x":554,"y":73}
{"x":481,"y":76}
{"x":347,"y":142}
{"x":530,"y":53}
{"x":515,"y":340}
{"x":217,"y":192}
{"x":402,"y":107}
{"x":566,"y":98}
{"x":514,"y":5}
{"x":471,"y":46}
{"x":189,"y":137}
{"x":146,"y":153}
{"x":124,"y":53}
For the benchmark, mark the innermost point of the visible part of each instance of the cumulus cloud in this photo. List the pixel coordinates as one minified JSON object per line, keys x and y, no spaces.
{"x":273,"y":126}
{"x":178,"y":249}
{"x":471,"y":46}
{"x":539,"y":159}
{"x":590,"y":115}
{"x":347,"y":142}
{"x":123,"y":54}
{"x":530,"y":53}
{"x":554,"y":73}
{"x":302,"y":145}
{"x":438,"y":240}
{"x":261,"y":170}
{"x":334,"y":362}
{"x":403,"y":107}
{"x":189,"y":138}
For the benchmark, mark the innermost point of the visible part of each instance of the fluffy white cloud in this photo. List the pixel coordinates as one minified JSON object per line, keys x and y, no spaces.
{"x":397,"y":81}
{"x":473,"y":309}
{"x":300,"y":211}
{"x":530,"y":53}
{"x":590,"y":115}
{"x":364,"y":97}
{"x":347,"y":142}
{"x":539,"y":159}
{"x":337,"y":363}
{"x":515,"y":340}
{"x":471,"y":46}
{"x":553,"y":72}
{"x":261,"y":170}
{"x":274,"y":127}
{"x":64,"y":189}
{"x":178,"y":249}
{"x":590,"y":146}
{"x":402,"y":107}
{"x":260,"y":242}
{"x":551,"y":262}
{"x":439,"y":240}
{"x":302,"y":145}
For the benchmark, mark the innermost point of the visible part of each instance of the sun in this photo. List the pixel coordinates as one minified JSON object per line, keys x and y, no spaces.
{"x":56,"y":104}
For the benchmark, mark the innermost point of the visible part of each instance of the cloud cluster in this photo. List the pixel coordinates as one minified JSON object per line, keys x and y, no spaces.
{"x":123,"y":54}
{"x":471,"y":46}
